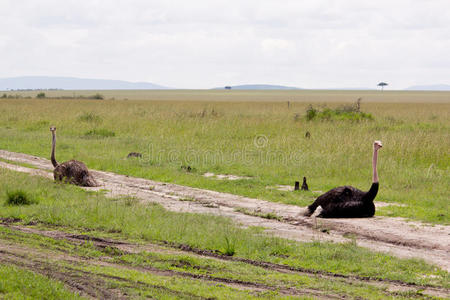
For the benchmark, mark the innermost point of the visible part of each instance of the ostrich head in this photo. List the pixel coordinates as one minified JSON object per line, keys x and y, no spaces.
{"x":377,"y":145}
{"x":53,"y":129}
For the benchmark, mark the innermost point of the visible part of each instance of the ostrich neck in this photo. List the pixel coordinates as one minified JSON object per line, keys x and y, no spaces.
{"x":54,"y":162}
{"x":374,"y":166}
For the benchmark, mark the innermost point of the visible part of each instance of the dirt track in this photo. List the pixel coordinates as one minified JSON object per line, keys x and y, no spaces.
{"x":394,"y":235}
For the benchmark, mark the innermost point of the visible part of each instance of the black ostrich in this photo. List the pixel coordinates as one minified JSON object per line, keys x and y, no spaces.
{"x":347,"y":201}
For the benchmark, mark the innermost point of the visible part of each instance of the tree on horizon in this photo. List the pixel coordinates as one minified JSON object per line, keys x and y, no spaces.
{"x":382,"y":84}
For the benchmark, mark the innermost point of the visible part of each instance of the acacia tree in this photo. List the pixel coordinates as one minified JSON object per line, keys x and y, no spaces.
{"x":382,"y":84}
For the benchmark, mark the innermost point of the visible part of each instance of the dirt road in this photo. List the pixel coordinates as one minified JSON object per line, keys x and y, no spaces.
{"x":397,"y":236}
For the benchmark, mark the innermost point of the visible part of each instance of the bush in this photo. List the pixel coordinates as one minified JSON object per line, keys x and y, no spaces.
{"x":40,"y":96}
{"x":18,"y":197}
{"x":97,"y":96}
{"x":311,"y":113}
{"x":99,"y":133}
{"x":350,"y":112}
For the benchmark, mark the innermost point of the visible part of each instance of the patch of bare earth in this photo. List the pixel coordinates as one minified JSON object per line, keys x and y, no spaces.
{"x":225,"y":176}
{"x":397,"y":236}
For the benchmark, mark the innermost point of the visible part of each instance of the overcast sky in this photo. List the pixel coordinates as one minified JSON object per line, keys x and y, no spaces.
{"x":204,"y":44}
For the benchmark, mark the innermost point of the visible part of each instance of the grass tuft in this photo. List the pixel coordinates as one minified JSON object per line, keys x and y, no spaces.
{"x":230,"y":248}
{"x":99,"y":133}
{"x":18,"y":197}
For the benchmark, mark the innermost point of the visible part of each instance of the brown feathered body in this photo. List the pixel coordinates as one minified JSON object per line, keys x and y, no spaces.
{"x":134,"y":154}
{"x":72,"y":171}
{"x":75,"y":172}
{"x":346,"y":202}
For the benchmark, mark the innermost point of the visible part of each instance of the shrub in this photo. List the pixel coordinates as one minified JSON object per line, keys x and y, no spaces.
{"x":99,"y":133}
{"x":311,"y":113}
{"x":40,"y":96}
{"x":4,"y":96}
{"x":350,"y":112}
{"x":97,"y":96}
{"x":18,"y":197}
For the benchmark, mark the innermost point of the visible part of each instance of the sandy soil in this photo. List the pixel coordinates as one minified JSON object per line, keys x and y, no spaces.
{"x":225,"y":176}
{"x":397,"y":236}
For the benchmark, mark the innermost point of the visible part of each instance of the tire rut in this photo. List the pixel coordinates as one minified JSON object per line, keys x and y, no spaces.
{"x":88,"y":287}
{"x":12,"y":250}
{"x":124,"y":247}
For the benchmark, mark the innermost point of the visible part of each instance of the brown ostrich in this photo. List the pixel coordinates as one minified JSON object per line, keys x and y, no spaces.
{"x":71,"y":171}
{"x":347,"y":201}
{"x":134,"y":154}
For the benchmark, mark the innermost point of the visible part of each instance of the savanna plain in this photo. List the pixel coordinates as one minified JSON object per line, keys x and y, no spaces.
{"x":62,"y":241}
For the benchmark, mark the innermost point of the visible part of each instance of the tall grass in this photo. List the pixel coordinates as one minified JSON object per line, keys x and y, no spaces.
{"x":263,"y":140}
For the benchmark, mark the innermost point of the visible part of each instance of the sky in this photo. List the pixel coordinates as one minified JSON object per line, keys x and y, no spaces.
{"x":204,"y":44}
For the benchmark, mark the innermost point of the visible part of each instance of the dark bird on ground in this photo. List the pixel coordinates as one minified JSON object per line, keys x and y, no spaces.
{"x":71,"y":171}
{"x":134,"y":154}
{"x":304,"y":185}
{"x":186,"y":168}
{"x":307,"y":135}
{"x":347,"y":201}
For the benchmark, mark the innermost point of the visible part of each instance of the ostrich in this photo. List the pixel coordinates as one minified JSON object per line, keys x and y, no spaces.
{"x":71,"y":171}
{"x":134,"y":154}
{"x":347,"y":201}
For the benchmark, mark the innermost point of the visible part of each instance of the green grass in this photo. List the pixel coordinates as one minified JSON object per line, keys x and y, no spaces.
{"x":179,"y":262}
{"x":18,"y":284}
{"x":254,"y":134}
{"x":18,"y":197}
{"x":72,"y":207}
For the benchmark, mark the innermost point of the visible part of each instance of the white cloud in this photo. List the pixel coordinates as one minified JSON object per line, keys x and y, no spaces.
{"x":201,"y":44}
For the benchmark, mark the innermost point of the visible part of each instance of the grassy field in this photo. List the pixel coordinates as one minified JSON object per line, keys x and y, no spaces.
{"x":252,"y":134}
{"x":307,"y":96}
{"x":70,"y":209}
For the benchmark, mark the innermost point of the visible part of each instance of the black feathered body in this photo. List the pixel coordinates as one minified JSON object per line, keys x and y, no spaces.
{"x":75,"y":172}
{"x":346,"y":202}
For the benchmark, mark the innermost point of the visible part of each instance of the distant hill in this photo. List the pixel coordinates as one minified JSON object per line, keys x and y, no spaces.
{"x":431,"y":87}
{"x":259,"y":87}
{"x":71,"y":83}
